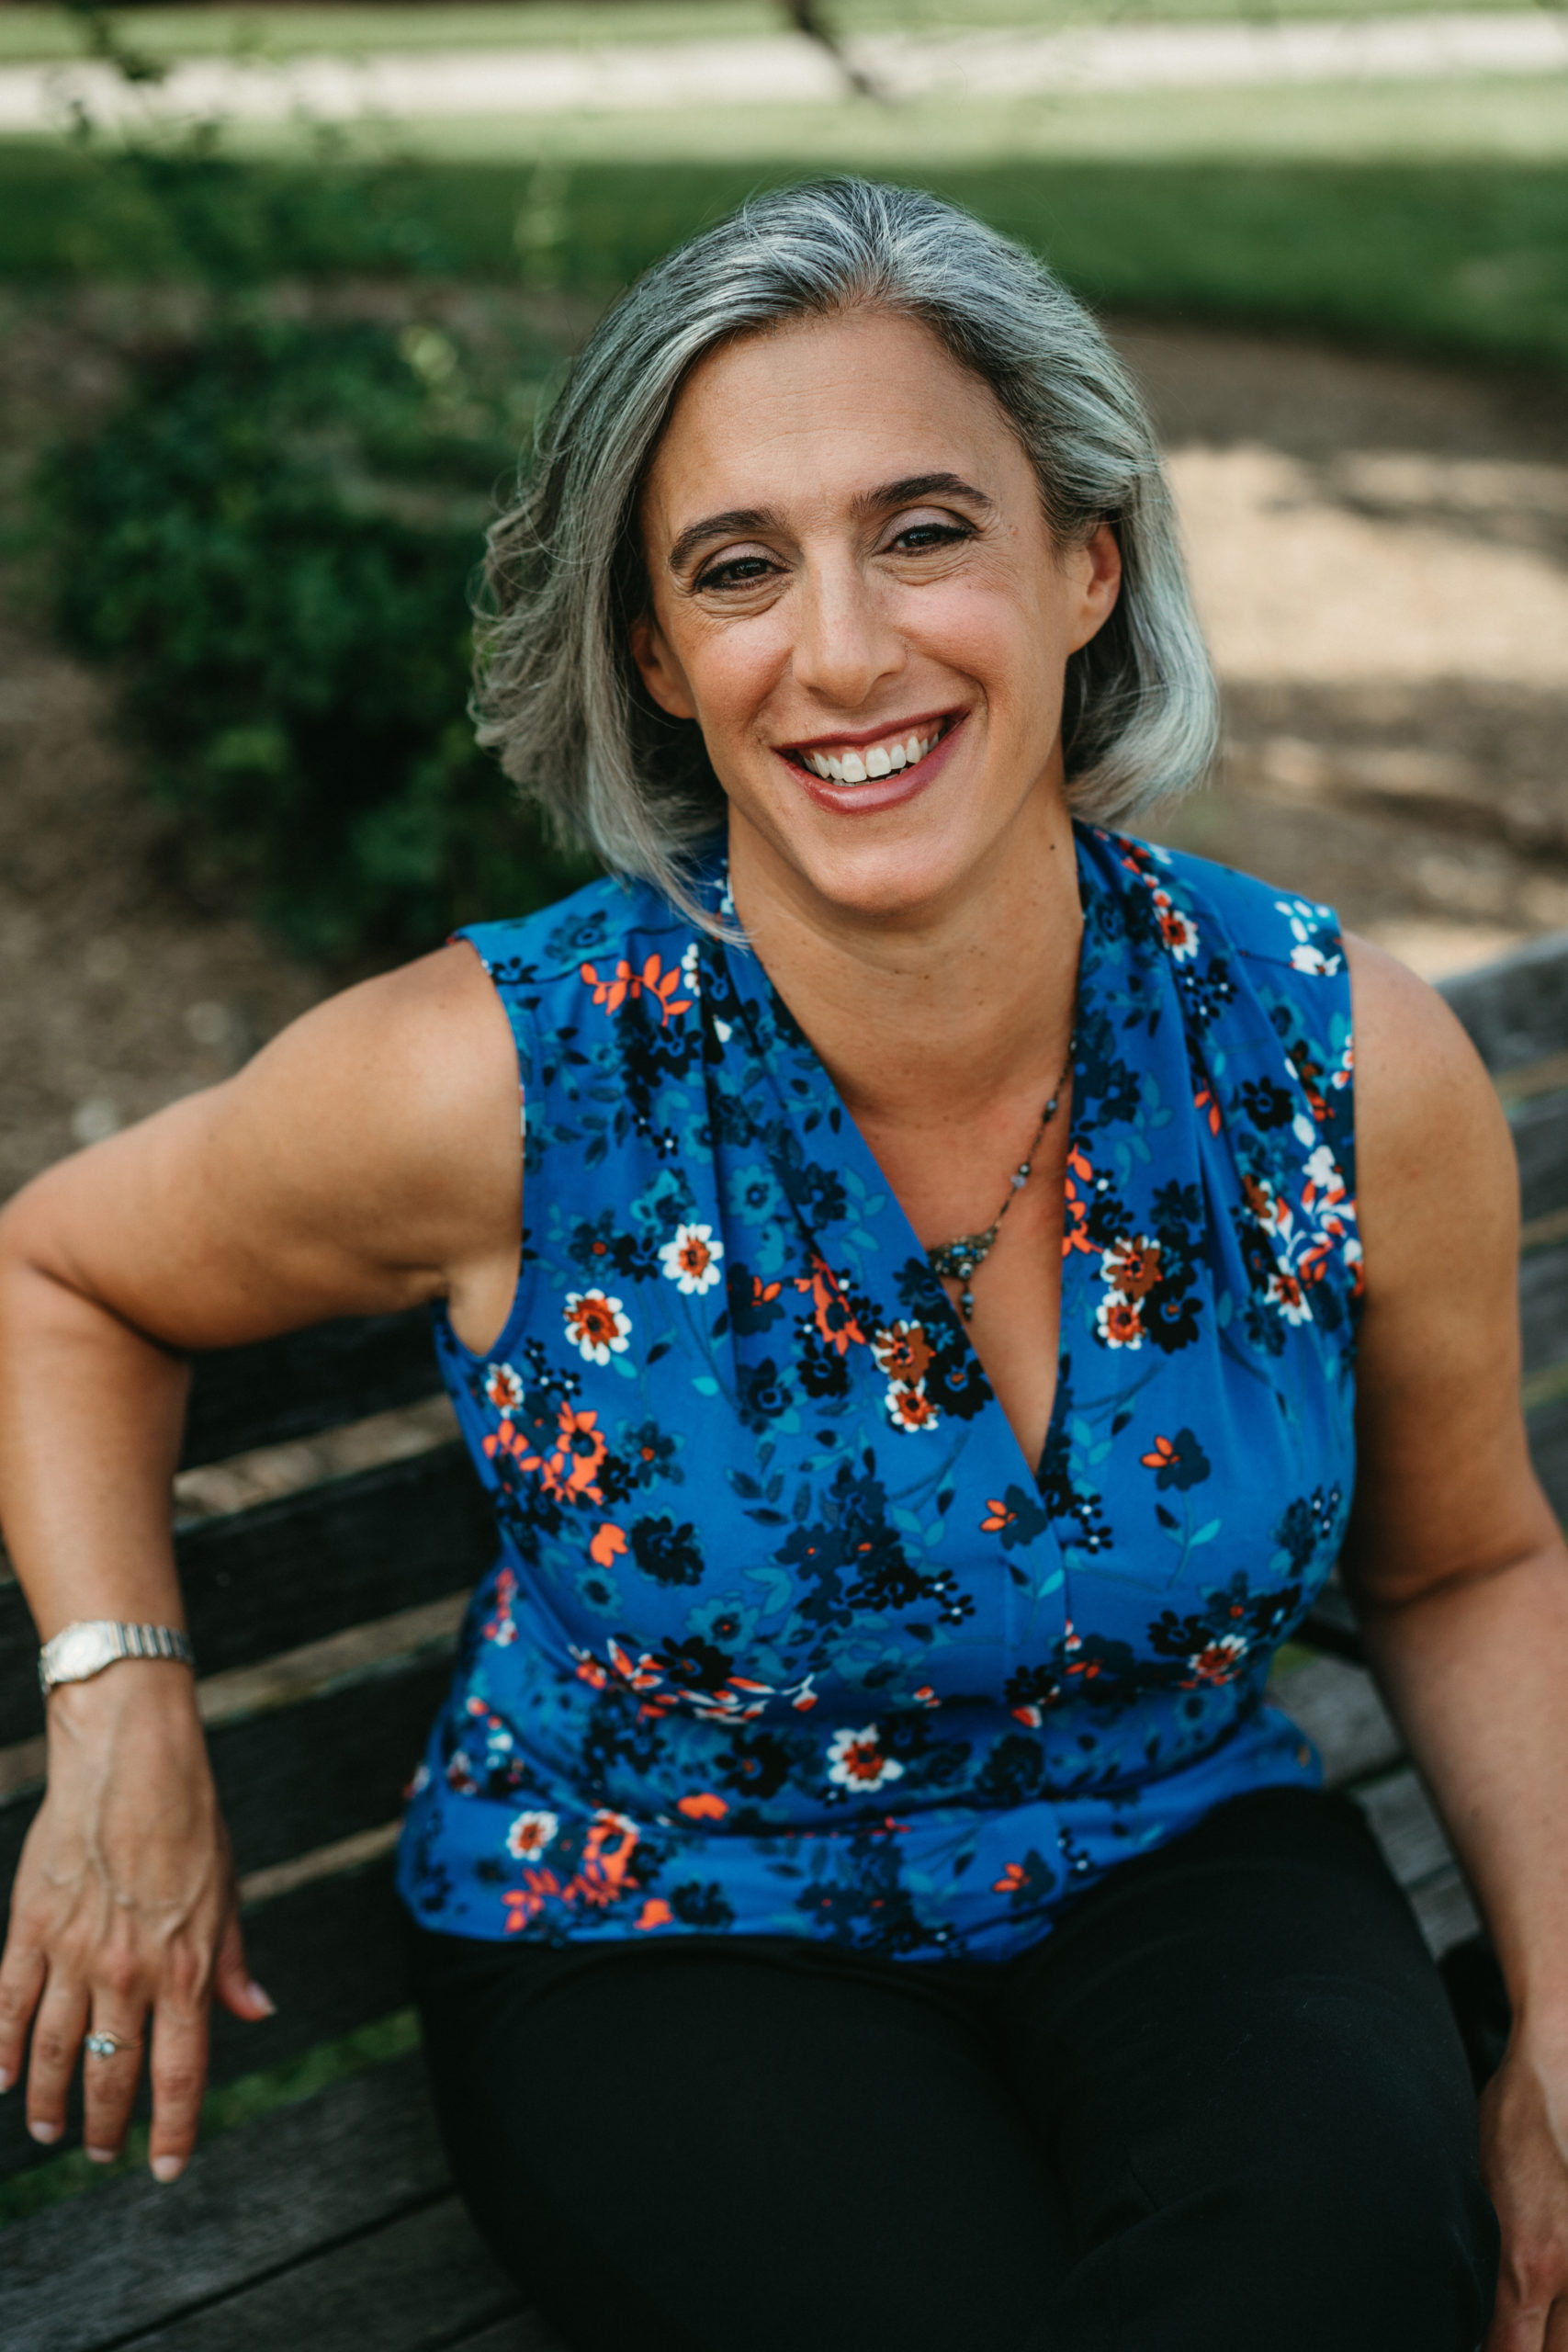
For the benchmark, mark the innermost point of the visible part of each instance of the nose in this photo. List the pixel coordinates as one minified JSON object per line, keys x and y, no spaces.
{"x":846,"y":644}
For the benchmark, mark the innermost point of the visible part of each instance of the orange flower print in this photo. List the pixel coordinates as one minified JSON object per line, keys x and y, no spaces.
{"x":1286,"y":1293}
{"x":703,"y":1806}
{"x":1119,"y":1323}
{"x":1013,"y":1880}
{"x":1220,"y":1660}
{"x":902,"y":1352}
{"x":835,"y":1322}
{"x":530,"y":1834}
{"x":998,"y":1516}
{"x":504,"y":1389}
{"x":1131,"y":1266}
{"x":855,"y":1761}
{"x":500,"y":1627}
{"x":572,"y":1463}
{"x":690,"y":1261}
{"x":655,"y":1913}
{"x":596,"y":1325}
{"x":1178,"y":931}
{"x":607,"y":1545}
{"x":910,"y":1408}
{"x":652,"y":979}
{"x":925,"y":1696}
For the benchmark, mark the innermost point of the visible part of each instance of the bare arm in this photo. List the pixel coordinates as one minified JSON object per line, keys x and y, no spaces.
{"x":365,"y":1160}
{"x":1461,"y":1575}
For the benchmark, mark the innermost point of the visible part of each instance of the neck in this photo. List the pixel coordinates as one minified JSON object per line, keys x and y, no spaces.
{"x":932,"y":1016}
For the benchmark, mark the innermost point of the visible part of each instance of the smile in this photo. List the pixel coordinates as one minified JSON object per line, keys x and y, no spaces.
{"x":852,"y":764}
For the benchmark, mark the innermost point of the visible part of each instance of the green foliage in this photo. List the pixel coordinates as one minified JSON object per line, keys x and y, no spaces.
{"x":272,"y":539}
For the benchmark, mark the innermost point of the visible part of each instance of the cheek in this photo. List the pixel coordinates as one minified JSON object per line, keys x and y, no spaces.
{"x":731,"y":671}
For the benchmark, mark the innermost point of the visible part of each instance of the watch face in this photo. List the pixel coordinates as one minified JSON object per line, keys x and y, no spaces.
{"x":83,"y":1650}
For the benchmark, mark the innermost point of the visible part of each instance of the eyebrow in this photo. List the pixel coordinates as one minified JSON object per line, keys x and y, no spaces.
{"x":745,"y":522}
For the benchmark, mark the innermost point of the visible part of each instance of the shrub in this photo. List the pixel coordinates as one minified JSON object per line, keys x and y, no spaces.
{"x":273,"y":538}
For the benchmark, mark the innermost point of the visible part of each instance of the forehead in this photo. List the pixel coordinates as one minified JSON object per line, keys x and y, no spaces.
{"x":822,"y":407}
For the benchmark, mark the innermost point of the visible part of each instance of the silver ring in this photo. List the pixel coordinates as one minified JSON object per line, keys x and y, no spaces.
{"x":104,"y":2044}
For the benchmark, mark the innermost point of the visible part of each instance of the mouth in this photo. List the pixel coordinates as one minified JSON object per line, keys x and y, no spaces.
{"x":847,"y":763}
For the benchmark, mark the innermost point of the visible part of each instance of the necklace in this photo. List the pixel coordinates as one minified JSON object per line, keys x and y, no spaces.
{"x":961,"y":1261}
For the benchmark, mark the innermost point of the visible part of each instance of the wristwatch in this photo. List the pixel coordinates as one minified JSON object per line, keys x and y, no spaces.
{"x":78,"y":1652}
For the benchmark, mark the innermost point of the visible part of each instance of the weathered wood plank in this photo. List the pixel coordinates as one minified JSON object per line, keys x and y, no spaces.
{"x":1548,"y":1426}
{"x":289,"y":1387}
{"x":1330,"y":1623}
{"x":1444,"y":1911}
{"x":1517,"y":1008}
{"x":1543,"y":1308}
{"x":1338,"y":1706}
{"x":408,"y":2286}
{"x":298,"y":1569}
{"x":1405,"y":1825}
{"x":1540,"y":1130}
{"x":289,"y":2186}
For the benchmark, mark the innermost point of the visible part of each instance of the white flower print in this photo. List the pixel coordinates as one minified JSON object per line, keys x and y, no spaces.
{"x":595,"y":1325}
{"x":504,"y":1389}
{"x":530,"y":1834}
{"x":690,"y":1261}
{"x":855,"y":1761}
{"x":691,"y":977}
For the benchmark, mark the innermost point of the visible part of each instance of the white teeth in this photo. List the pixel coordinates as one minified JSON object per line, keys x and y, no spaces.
{"x":883,"y":759}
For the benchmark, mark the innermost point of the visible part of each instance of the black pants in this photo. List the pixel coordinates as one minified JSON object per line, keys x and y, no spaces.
{"x":1223,"y":2107}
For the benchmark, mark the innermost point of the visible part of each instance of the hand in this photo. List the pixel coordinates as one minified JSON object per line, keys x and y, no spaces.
{"x":124,"y":1906}
{"x":1524,"y":2154}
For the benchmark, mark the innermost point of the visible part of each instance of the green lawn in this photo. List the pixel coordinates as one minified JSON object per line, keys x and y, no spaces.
{"x":43,"y":33}
{"x":1470,"y":257}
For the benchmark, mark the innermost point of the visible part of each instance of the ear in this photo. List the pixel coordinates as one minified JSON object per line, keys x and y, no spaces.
{"x":659,"y":670}
{"x":1097,"y":573}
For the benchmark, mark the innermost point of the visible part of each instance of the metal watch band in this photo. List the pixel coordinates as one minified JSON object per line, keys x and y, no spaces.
{"x":81,"y":1650}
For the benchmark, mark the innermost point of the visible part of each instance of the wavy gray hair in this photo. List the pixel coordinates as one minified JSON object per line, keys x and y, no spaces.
{"x":558,"y":697}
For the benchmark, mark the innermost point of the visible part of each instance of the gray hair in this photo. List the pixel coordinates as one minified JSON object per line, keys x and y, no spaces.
{"x":558,"y":697}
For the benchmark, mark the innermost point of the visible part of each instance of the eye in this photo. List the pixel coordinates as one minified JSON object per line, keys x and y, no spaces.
{"x":928,"y":537}
{"x":733,"y":571}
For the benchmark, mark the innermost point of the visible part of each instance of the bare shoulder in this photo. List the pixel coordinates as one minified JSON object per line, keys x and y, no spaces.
{"x":367,"y":1158}
{"x":1427,"y":1118}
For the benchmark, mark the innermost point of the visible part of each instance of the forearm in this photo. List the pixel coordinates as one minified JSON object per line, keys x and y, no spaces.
{"x":1476,"y":1673}
{"x":90,"y":1421}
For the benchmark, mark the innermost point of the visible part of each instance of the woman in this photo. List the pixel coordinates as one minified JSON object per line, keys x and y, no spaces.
{"x":861,"y":1895}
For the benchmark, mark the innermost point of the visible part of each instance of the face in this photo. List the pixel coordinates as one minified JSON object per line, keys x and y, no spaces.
{"x":855,"y":594}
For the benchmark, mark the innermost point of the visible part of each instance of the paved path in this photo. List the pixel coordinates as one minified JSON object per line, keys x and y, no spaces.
{"x":605,"y":77}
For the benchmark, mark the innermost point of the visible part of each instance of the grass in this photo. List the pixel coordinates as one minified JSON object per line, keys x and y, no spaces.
{"x":44,"y":34}
{"x":1469,"y":257}
{"x":234,"y":2103}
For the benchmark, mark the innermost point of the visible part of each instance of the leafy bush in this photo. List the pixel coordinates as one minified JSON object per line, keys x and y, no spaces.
{"x":274,"y":539}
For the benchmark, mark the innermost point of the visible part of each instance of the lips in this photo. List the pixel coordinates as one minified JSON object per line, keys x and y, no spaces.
{"x":852,"y":764}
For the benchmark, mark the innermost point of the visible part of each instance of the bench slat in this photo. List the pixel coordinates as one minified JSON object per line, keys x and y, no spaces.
{"x":404,"y":2287}
{"x":306,"y":1380}
{"x":1517,"y":1008}
{"x":1540,"y":1130}
{"x":288,"y":2186}
{"x":1543,"y":1307}
{"x":301,"y":1568}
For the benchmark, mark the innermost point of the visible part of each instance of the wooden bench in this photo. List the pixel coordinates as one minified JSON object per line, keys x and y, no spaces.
{"x":324,"y":1620}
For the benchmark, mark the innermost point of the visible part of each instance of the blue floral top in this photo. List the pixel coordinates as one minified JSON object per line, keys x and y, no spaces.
{"x":784,"y":1635}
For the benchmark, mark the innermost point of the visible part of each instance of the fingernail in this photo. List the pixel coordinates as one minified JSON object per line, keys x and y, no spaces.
{"x":264,"y":1999}
{"x":167,"y":2167}
{"x":101,"y":2156}
{"x":46,"y":2133}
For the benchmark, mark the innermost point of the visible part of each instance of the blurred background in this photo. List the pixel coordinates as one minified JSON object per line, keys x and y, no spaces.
{"x":282,"y":289}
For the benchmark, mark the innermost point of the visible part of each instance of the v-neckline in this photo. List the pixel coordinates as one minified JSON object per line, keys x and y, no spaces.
{"x":833,"y":1110}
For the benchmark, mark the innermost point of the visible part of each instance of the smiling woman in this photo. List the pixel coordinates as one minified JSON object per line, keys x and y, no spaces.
{"x":860,"y":1892}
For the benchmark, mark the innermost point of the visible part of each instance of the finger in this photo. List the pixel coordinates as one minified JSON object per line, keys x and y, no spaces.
{"x":234,"y":1984}
{"x":57,"y":2037}
{"x":1557,"y":2325}
{"x":179,"y":2078}
{"x":22,"y":1973}
{"x":109,"y":2080}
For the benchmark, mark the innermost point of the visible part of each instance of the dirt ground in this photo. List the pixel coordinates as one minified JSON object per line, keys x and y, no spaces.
{"x":1380,"y":554}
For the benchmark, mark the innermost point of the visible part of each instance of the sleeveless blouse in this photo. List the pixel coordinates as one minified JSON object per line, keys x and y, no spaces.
{"x":784,"y":1635}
